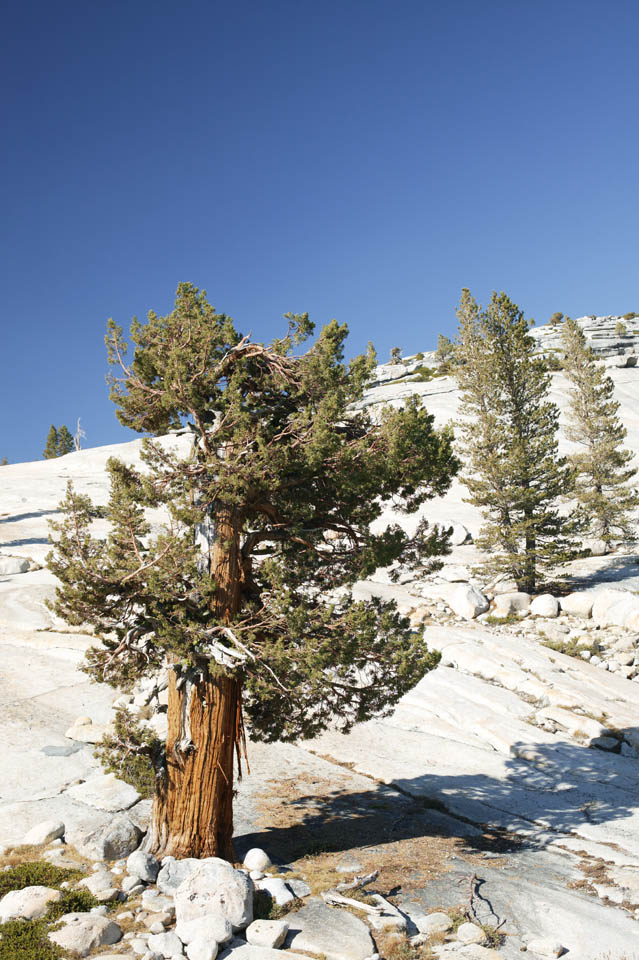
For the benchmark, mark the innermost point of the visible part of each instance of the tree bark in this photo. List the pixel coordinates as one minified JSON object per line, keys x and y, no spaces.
{"x":193,"y":806}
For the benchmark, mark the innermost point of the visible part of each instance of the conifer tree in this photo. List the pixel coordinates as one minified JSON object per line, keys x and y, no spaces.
{"x":65,"y":441}
{"x":246,"y":592}
{"x":606,"y":501}
{"x":51,"y":448}
{"x":509,"y":440}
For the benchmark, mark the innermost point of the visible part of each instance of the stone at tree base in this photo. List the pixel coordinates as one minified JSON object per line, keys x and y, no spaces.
{"x":267,"y":933}
{"x":467,"y":602}
{"x":202,"y":950}
{"x":215,"y":887}
{"x":545,"y":605}
{"x":277,"y":889}
{"x":143,"y":865}
{"x":509,"y":603}
{"x":44,"y":833}
{"x":213,"y":926}
{"x":105,"y":792}
{"x":166,"y":944}
{"x":174,"y":872}
{"x":578,"y":604}
{"x":30,"y":903}
{"x":318,"y":928}
{"x":257,"y":859}
{"x":156,"y":902}
{"x":470,"y":933}
{"x":84,"y":932}
{"x":546,"y":948}
{"x":111,"y":841}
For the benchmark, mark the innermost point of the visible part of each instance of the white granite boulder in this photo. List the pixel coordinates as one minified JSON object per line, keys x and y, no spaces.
{"x":30,"y":903}
{"x":10,"y":565}
{"x":545,"y":605}
{"x":83,"y":932}
{"x":267,"y":933}
{"x":143,"y":865}
{"x":110,"y":841}
{"x":202,"y":949}
{"x":318,"y":928}
{"x":215,"y":887}
{"x":105,"y":792}
{"x":467,"y":602}
{"x":43,"y":833}
{"x":277,"y":890}
{"x":506,"y":604}
{"x":166,"y":944}
{"x":257,"y":859}
{"x":578,"y":604}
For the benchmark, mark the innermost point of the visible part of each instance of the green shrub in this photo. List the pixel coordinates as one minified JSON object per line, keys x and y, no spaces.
{"x":419,"y":356}
{"x":36,"y":873}
{"x":556,"y":319}
{"x":621,"y":329}
{"x":27,"y":940}
{"x":131,"y":752}
{"x":72,"y":901}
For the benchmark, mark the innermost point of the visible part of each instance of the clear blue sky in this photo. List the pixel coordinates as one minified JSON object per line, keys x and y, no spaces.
{"x":359,"y":160}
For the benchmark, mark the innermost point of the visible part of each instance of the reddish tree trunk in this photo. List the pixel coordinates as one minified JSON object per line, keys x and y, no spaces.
{"x":193,"y":807}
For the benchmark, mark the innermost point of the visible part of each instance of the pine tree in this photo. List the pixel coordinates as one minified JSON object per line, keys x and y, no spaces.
{"x":445,"y":352}
{"x":603,"y":467}
{"x":246,"y":593}
{"x":509,"y":440}
{"x":51,"y":448}
{"x":65,"y":441}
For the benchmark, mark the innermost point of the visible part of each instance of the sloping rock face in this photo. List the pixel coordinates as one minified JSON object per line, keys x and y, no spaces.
{"x":604,"y":334}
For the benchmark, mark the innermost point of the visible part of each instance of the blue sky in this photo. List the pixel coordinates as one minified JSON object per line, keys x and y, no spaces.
{"x":359,"y":160}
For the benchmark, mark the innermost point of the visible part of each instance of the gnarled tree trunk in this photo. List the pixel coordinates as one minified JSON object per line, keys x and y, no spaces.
{"x":193,"y":807}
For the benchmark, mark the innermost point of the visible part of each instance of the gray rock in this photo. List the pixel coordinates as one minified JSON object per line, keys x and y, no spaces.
{"x":597,"y":548}
{"x":44,"y":833}
{"x":300,"y":888}
{"x":467,"y":602}
{"x":84,"y":932}
{"x":166,"y":944}
{"x":98,"y":881}
{"x":111,"y":841}
{"x":240,"y":950}
{"x":213,"y":926}
{"x":257,"y":859}
{"x":318,"y":928}
{"x":87,"y":732}
{"x":143,"y":865}
{"x":215,"y":887}
{"x":30,"y":903}
{"x":65,"y":750}
{"x":156,"y":902}
{"x":105,"y":792}
{"x":267,"y":933}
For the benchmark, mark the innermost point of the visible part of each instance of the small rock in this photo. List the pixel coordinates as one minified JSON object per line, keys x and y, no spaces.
{"x":202,"y":950}
{"x":578,"y":604}
{"x":213,"y":926}
{"x":111,"y":841}
{"x":433,"y":923}
{"x":470,"y":933}
{"x":215,"y":887}
{"x":318,"y":928}
{"x":98,"y":881}
{"x":44,"y":833}
{"x":546,"y":948}
{"x":10,"y":565}
{"x":143,"y":865}
{"x":300,"y":888}
{"x":596,"y":548}
{"x":508,"y":603}
{"x":277,"y":890}
{"x":257,"y":859}
{"x":166,"y":944}
{"x":267,"y":933}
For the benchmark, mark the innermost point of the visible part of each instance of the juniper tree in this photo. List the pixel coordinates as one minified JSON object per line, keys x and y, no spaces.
{"x":509,"y":441}
{"x":245,"y":594}
{"x":606,"y":501}
{"x":51,"y":449}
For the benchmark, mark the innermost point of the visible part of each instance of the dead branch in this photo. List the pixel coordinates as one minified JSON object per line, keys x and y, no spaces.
{"x":357,"y":882}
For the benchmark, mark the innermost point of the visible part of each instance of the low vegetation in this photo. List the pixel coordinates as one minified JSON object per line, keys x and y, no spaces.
{"x":36,"y":873}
